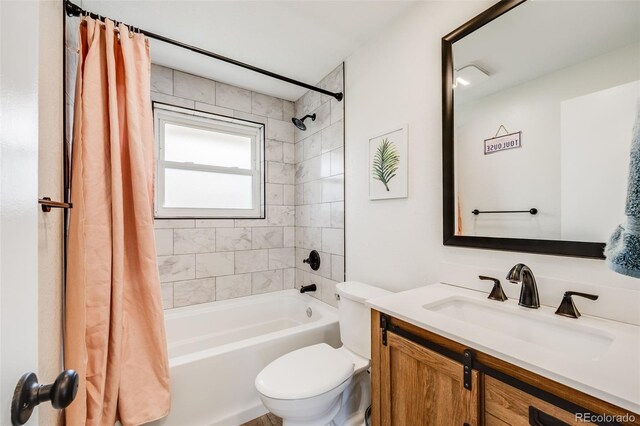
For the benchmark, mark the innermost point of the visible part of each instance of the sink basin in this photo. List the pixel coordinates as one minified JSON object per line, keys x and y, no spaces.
{"x":555,"y":334}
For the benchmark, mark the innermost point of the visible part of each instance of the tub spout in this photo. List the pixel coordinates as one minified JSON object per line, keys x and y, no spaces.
{"x":306,"y":288}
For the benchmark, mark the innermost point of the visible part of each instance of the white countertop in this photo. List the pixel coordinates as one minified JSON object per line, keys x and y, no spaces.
{"x":613,"y":376}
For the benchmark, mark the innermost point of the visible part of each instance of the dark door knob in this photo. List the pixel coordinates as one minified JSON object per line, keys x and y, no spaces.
{"x":29,"y":394}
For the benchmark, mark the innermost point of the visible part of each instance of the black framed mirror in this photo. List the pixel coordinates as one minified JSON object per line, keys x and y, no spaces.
{"x":538,"y":109}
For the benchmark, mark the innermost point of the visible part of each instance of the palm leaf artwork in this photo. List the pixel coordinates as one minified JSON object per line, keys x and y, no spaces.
{"x":385,"y":162}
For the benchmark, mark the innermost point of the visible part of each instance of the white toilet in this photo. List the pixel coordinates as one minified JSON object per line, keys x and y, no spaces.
{"x":319,"y":385}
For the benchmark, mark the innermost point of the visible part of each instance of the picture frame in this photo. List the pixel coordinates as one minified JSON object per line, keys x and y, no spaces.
{"x":388,"y":164}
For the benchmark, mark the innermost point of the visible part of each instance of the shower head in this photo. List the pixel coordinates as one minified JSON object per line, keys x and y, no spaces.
{"x":299,"y":122}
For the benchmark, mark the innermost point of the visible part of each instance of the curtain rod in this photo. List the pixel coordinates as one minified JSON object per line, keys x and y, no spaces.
{"x":75,"y":10}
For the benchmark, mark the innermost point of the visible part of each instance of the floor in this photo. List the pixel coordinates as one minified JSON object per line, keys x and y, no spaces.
{"x":266,"y":420}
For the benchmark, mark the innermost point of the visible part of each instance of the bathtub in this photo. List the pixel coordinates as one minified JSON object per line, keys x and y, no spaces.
{"x":216,"y":350}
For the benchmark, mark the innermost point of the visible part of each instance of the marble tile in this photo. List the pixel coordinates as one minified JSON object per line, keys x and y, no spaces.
{"x":233,"y":97}
{"x":280,"y":172}
{"x":288,"y":236}
{"x":333,"y":81}
{"x":333,"y":188}
{"x":312,"y":146}
{"x":176,"y":268}
{"x":280,"y":130}
{"x":333,"y":137}
{"x":250,"y":223}
{"x":337,"y":161}
{"x":172,"y":100}
{"x":307,"y":103}
{"x":325,"y":165}
{"x":161,"y":79}
{"x":229,"y":239}
{"x":323,"y":119}
{"x":273,"y":150}
{"x":328,"y":295}
{"x":298,"y":151}
{"x":194,"y":240}
{"x":288,"y":153}
{"x":274,"y":194}
{"x":312,"y":192}
{"x":271,"y":237}
{"x":337,"y":111}
{"x":303,"y":215}
{"x":250,"y":117}
{"x":281,"y":215}
{"x":289,"y":278}
{"x":266,"y":105}
{"x":167,"y":295}
{"x":233,"y":286}
{"x":337,"y":268}
{"x":299,"y":195}
{"x":193,"y":87}
{"x":333,"y":240}
{"x":251,"y":261}
{"x":288,"y":110}
{"x":174,"y":223}
{"x":309,"y":238}
{"x":213,"y":109}
{"x":289,"y":195}
{"x":321,"y":215}
{"x":337,"y":214}
{"x":164,"y":242}
{"x":266,"y":281}
{"x":193,"y":292}
{"x":281,"y":258}
{"x":325,"y":265}
{"x":215,"y":223}
{"x":214,"y":264}
{"x":308,"y":170}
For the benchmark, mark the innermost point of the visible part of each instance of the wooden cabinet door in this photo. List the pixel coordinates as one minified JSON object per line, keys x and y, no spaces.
{"x":419,"y":387}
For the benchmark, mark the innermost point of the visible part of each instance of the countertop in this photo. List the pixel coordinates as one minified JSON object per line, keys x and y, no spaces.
{"x":613,"y":376}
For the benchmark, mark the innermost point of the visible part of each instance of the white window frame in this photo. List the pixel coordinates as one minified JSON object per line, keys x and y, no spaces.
{"x":170,"y":114}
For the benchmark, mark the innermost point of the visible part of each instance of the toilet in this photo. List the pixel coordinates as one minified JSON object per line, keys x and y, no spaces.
{"x":319,"y":385}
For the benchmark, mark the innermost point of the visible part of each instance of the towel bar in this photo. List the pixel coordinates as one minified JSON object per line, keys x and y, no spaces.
{"x":531,"y":211}
{"x":47,"y":204}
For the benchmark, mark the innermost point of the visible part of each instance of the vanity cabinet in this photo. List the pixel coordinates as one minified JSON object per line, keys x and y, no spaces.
{"x":505,"y":405}
{"x":419,"y":378}
{"x":424,"y":386}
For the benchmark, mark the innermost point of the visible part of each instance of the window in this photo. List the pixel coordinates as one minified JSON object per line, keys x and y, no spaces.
{"x":207,"y":165}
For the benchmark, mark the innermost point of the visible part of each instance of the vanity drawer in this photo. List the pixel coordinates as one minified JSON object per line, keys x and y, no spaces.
{"x":506,"y":405}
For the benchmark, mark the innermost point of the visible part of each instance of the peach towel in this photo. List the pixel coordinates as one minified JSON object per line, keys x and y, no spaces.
{"x":115,"y":337}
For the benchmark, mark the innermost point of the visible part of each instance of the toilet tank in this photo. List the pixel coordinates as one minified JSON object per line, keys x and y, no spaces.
{"x":355,"y":317}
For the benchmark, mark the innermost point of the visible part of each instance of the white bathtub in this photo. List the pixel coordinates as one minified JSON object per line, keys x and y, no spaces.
{"x":217,"y":349}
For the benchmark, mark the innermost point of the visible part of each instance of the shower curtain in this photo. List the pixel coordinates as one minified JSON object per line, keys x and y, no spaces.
{"x":114,"y":328}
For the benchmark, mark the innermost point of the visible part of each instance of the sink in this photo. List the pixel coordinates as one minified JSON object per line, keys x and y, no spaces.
{"x":555,"y":334}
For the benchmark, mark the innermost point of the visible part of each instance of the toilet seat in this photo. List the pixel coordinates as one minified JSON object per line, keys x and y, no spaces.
{"x":305,"y":373}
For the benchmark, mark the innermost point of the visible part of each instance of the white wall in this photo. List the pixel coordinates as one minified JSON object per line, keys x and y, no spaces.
{"x":526,"y":177}
{"x":18,"y":193}
{"x":596,"y":139}
{"x":50,"y":183}
{"x":397,"y":244}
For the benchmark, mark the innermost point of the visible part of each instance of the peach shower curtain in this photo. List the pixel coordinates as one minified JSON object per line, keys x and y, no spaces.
{"x":115,"y":335}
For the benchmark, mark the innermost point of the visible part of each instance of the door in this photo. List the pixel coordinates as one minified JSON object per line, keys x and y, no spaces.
{"x":422,"y":387}
{"x":20,"y":130}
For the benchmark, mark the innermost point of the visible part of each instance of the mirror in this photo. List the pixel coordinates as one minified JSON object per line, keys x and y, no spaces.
{"x":539,"y":103}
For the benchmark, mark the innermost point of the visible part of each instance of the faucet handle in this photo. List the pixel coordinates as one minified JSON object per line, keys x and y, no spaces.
{"x":567,"y":308}
{"x":496,"y":293}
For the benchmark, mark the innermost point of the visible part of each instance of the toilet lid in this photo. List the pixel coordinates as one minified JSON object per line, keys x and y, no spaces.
{"x":304,"y":373}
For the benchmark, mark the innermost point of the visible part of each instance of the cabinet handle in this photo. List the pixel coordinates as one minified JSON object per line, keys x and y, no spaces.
{"x":539,"y":418}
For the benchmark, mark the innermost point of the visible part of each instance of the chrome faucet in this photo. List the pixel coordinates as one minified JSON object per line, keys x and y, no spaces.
{"x":521,"y":273}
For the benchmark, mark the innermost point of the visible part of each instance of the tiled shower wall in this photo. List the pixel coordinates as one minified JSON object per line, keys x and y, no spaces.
{"x":319,"y":191}
{"x":215,"y":259}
